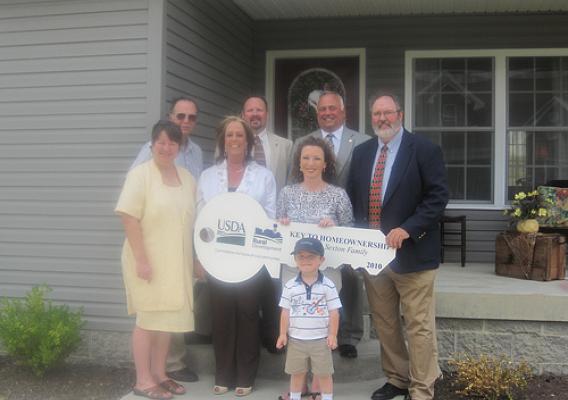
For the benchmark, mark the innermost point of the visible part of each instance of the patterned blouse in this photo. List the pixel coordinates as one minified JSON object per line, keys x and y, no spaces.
{"x":299,"y":205}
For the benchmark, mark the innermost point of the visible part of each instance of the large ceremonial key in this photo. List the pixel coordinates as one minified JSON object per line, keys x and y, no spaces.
{"x":234,"y":239}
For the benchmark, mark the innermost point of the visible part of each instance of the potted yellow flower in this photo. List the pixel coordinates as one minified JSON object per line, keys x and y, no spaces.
{"x":526,"y":207}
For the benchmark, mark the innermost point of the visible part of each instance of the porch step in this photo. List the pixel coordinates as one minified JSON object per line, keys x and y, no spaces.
{"x":363,"y":368}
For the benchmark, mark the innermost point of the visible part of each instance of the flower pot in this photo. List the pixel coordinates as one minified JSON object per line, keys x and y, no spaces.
{"x":527,"y":226}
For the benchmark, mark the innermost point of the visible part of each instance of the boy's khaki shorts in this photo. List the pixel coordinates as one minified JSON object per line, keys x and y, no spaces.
{"x":316,"y":351}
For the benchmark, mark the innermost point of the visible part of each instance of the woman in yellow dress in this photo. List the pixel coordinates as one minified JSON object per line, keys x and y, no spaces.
{"x":156,"y":207}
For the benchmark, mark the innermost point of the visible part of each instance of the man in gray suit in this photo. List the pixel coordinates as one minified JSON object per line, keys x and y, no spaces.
{"x":342,"y":140}
{"x":274,"y":152}
{"x":331,"y":120}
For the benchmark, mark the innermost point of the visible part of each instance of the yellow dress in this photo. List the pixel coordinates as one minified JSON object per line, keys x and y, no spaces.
{"x":166,"y":215}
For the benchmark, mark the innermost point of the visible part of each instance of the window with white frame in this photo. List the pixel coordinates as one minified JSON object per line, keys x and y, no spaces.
{"x":500,"y":117}
{"x":537,"y":128}
{"x":453,"y":106}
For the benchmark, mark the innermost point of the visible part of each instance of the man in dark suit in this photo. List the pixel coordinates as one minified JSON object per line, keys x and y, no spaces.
{"x":342,"y":140}
{"x":397,"y":183}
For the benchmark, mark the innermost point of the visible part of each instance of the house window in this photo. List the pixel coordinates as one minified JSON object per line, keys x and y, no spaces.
{"x":537,"y":124}
{"x":453,"y":105}
{"x":499,"y":115}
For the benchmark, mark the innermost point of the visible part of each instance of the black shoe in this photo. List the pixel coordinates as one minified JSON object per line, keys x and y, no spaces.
{"x":347,"y":351}
{"x":183,"y":375}
{"x":388,"y":392}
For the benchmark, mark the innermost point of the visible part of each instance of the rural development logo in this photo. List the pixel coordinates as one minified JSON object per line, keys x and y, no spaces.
{"x":230,"y":232}
{"x":268,"y":238}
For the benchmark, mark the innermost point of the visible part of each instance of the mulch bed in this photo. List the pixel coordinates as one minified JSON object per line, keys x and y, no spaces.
{"x":538,"y":388}
{"x":69,"y":382}
{"x":95,"y":382}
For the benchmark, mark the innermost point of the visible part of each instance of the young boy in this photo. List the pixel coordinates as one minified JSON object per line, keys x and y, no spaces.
{"x":310,"y":317}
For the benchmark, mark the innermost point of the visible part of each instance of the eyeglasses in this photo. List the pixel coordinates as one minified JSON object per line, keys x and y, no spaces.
{"x":189,"y":117}
{"x":386,"y":114}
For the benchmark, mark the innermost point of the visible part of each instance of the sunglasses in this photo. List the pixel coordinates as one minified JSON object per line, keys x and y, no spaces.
{"x":189,"y":117}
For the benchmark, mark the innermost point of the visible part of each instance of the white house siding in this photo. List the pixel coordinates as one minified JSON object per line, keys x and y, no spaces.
{"x":73,"y":113}
{"x":387,"y":38}
{"x":209,"y":52}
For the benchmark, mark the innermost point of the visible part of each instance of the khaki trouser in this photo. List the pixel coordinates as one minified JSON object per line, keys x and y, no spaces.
{"x":414,"y":367}
{"x":202,"y":314}
{"x":176,"y":354}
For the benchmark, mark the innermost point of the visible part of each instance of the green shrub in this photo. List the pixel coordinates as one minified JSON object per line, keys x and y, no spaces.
{"x":489,"y":377}
{"x":36,"y":333}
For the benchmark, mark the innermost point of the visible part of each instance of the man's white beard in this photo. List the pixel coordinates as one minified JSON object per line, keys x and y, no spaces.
{"x":385,"y":134}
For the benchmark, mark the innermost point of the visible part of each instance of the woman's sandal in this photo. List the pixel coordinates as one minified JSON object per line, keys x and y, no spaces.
{"x":243,"y":391}
{"x":220,"y":389}
{"x":316,"y":396}
{"x":155,"y":392}
{"x":172,"y":386}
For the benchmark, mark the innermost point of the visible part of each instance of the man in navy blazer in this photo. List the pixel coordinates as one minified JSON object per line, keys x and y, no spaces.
{"x":413,"y":196}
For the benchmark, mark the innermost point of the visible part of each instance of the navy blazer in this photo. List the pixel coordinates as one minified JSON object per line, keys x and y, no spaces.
{"x":415,"y":198}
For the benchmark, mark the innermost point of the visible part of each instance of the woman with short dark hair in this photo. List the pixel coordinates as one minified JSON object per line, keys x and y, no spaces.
{"x":157,"y":271}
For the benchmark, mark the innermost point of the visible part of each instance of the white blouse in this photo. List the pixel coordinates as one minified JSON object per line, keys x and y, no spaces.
{"x":258,"y":182}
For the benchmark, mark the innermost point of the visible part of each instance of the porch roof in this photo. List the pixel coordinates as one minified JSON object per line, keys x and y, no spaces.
{"x":475,"y":292}
{"x":296,"y":9}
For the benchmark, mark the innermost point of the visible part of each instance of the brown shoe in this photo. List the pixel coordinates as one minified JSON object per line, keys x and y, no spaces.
{"x":172,"y":386}
{"x":155,"y":392}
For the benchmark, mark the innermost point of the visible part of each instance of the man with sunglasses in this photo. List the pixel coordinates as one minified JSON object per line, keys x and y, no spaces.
{"x":183,"y":113}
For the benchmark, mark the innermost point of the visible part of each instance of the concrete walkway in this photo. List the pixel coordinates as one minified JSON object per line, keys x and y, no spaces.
{"x":473,"y":292}
{"x":270,"y":390}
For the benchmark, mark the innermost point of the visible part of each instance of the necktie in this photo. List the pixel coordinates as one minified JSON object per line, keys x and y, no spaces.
{"x":329,"y":139}
{"x":259,"y":155}
{"x":375,"y":191}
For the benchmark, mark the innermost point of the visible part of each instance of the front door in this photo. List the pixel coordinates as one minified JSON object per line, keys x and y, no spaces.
{"x":298,"y":83}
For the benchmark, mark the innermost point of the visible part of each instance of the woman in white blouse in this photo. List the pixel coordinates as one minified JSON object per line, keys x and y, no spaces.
{"x":235,"y":307}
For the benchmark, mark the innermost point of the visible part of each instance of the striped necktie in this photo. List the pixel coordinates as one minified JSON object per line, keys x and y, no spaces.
{"x":376,"y":189}
{"x":259,"y":155}
{"x":329,"y":139}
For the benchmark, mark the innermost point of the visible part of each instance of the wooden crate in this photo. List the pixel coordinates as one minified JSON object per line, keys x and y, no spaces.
{"x":539,"y":257}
